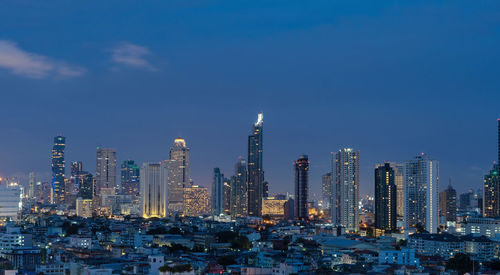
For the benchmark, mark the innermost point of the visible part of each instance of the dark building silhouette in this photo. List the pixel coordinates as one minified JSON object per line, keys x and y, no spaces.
{"x":86,"y":185}
{"x":301,"y":187}
{"x":385,"y":198}
{"x":255,"y":172}
{"x":448,"y":204}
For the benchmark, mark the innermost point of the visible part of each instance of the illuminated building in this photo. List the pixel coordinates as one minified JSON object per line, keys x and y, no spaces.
{"x":255,"y":168}
{"x":130,"y":178}
{"x":76,"y":167}
{"x":239,"y":190}
{"x":31,"y":190}
{"x":326,"y":188}
{"x":448,"y":204}
{"x":227,"y":196}
{"x":274,"y":207}
{"x":196,"y":201}
{"x":10,"y":202}
{"x":154,"y":190}
{"x":491,"y":205}
{"x":178,"y":165}
{"x":422,"y":193}
{"x":218,"y":193}
{"x":385,"y":197}
{"x":301,"y":187}
{"x":399,"y":180}
{"x":345,"y":171}
{"x":105,"y":175}
{"x":84,"y":207}
{"x":58,"y":170}
{"x":86,"y":184}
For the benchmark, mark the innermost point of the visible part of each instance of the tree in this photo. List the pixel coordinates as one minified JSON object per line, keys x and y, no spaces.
{"x":462,"y":264}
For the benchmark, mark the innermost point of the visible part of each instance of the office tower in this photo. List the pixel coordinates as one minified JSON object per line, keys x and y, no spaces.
{"x":86,"y":183}
{"x":345,"y":171}
{"x":105,"y":174}
{"x":239,"y":189}
{"x":448,"y":204}
{"x":399,"y":180}
{"x":130,"y":178}
{"x":76,"y":167}
{"x":491,"y":205}
{"x":154,"y":190}
{"x":31,"y":190}
{"x":289,"y":211}
{"x":57,"y":194}
{"x":422,"y":193}
{"x":218,"y":193}
{"x":301,"y":187}
{"x":465,"y":200}
{"x":196,"y":201}
{"x":326,"y":188}
{"x":227,"y":196}
{"x":178,"y":165}
{"x":255,"y":170}
{"x":385,"y":197}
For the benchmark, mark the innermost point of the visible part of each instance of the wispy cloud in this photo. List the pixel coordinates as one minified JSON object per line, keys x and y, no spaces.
{"x":34,"y":65}
{"x":132,"y":55}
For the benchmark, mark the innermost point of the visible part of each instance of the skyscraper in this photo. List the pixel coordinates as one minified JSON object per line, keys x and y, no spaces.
{"x":154,"y":190}
{"x":239,"y":190}
{"x":178,"y":165}
{"x":106,"y":171}
{"x":345,"y":170}
{"x":326,"y":188}
{"x":448,"y":204}
{"x":301,"y":187}
{"x":130,"y":178}
{"x":385,"y":197}
{"x":31,"y":190}
{"x":422,"y":193}
{"x":498,"y":160}
{"x":491,"y":205}
{"x":255,"y":168}
{"x":218,"y":193}
{"x":76,"y":167}
{"x":58,"y":170}
{"x":227,"y":196}
{"x":86,"y":183}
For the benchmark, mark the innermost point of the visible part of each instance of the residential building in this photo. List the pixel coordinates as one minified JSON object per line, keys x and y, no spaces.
{"x":239,"y":189}
{"x":491,"y":199}
{"x":448,"y":204}
{"x":301,"y":166}
{"x":196,"y":201}
{"x":385,"y":197}
{"x":326,"y":189}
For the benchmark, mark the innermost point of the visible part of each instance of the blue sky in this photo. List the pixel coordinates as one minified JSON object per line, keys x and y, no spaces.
{"x":390,"y":78}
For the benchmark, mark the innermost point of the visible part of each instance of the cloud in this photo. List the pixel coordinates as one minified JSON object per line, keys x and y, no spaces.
{"x":131,"y":55}
{"x":33,"y":65}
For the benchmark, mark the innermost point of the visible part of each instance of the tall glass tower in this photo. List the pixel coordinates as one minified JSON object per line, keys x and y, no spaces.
{"x":345,"y":171}
{"x":255,"y":173}
{"x":239,"y":198}
{"x":130,"y":178}
{"x":58,"y":169}
{"x":301,"y":187}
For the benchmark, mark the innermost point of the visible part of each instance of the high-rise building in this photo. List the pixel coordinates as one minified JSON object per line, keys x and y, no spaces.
{"x":448,"y":204}
{"x":10,"y":202}
{"x":491,"y":205}
{"x":345,"y":171}
{"x":218,"y":193}
{"x":58,"y":170}
{"x":196,"y":201}
{"x":498,"y":160}
{"x":399,"y":180}
{"x":255,"y":170}
{"x":84,"y":208}
{"x":227,"y":196}
{"x":130,"y":178}
{"x":86,"y":185}
{"x":301,"y":187}
{"x":239,"y":190}
{"x":274,"y":207}
{"x":178,"y":165}
{"x":154,"y":190}
{"x":422,"y":193}
{"x":76,"y":167}
{"x":326,"y":188}
{"x":105,"y":175}
{"x":31,"y":190}
{"x":385,"y":197}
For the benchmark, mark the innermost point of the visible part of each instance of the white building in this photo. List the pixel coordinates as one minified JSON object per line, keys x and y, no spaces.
{"x":422,"y":193}
{"x":13,"y":238}
{"x":488,"y":227}
{"x":345,"y":189}
{"x":154,"y":190}
{"x":10,"y":202}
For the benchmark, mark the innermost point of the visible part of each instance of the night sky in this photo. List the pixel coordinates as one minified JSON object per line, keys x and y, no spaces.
{"x":389,"y":78}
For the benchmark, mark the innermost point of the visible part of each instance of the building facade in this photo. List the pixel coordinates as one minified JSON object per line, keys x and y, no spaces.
{"x":422,"y":193}
{"x":218,"y":193}
{"x":385,"y":197}
{"x":58,"y":170}
{"x":196,"y":201}
{"x":154,"y":190}
{"x":106,"y":172}
{"x":239,"y":189}
{"x":326,"y":189}
{"x":129,"y":177}
{"x":255,"y":168}
{"x":491,"y":200}
{"x":448,"y":204}
{"x":301,"y":166}
{"x":345,"y":171}
{"x":178,"y":166}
